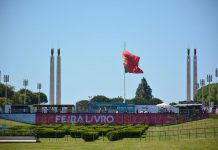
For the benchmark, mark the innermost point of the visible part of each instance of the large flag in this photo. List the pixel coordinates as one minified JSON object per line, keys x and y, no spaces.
{"x":131,"y":63}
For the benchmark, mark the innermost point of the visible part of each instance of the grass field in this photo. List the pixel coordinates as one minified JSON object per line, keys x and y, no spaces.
{"x":201,"y":144}
{"x":68,"y":143}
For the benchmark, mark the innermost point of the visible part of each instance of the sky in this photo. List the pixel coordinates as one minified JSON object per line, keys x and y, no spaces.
{"x":91,"y":37}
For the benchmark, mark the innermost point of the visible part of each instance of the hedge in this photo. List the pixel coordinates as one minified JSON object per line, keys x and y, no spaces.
{"x":90,"y":136}
{"x":50,"y":133}
{"x":88,"y":132}
{"x":114,"y":135}
{"x":76,"y":133}
{"x":103,"y":131}
{"x":130,"y":133}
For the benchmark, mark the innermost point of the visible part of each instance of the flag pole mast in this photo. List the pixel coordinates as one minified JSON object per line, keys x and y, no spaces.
{"x":124,"y":88}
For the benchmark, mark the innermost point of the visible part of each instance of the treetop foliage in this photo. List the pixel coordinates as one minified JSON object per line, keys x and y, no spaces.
{"x":213,"y":91}
{"x":17,"y":97}
{"x":144,"y":90}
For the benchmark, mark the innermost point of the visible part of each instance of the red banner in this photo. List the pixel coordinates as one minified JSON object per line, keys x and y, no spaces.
{"x":109,"y":119}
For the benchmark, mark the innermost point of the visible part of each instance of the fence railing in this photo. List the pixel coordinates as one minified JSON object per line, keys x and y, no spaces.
{"x":194,"y":133}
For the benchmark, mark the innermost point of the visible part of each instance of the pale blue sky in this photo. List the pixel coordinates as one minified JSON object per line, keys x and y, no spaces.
{"x":91,"y":34}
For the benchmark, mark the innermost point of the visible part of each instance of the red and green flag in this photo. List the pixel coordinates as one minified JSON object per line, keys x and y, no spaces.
{"x":131,"y":62}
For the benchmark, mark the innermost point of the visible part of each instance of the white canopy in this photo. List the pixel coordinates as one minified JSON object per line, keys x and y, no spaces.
{"x":164,"y":105}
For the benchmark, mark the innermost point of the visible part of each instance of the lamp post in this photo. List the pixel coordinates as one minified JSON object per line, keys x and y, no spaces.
{"x":216,"y":75}
{"x":39,"y":86}
{"x":0,"y":76}
{"x":25,"y":84}
{"x":209,"y":79}
{"x":196,"y":94}
{"x":90,"y":97}
{"x":6,"y":80}
{"x":202,"y":83}
{"x":216,"y":72}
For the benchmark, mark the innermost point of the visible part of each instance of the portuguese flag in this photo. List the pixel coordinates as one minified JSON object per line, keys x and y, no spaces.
{"x":131,"y":62}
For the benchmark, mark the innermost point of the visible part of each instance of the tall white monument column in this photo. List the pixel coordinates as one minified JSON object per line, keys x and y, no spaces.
{"x":58,"y":81}
{"x":52,"y":77}
{"x":195,"y":80}
{"x":188,"y":88}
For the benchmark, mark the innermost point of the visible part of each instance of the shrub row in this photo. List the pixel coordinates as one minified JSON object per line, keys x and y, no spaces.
{"x":114,"y":135}
{"x":49,"y":133}
{"x":88,"y":132}
{"x":76,"y":133}
{"x":90,"y":136}
{"x":133,"y":133}
{"x":129,"y":132}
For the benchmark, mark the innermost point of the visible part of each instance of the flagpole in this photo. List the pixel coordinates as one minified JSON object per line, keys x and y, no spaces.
{"x":124,"y":101}
{"x":124,"y":88}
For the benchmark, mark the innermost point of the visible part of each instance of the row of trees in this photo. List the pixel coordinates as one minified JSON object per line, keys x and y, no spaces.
{"x":213,"y":96}
{"x":17,"y":97}
{"x":143,"y":96}
{"x":137,"y":100}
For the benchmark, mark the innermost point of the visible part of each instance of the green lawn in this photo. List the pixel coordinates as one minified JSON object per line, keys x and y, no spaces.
{"x":201,"y":144}
{"x":210,"y":142}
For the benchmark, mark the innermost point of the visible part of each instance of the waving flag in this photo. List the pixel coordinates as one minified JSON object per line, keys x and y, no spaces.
{"x":131,"y":63}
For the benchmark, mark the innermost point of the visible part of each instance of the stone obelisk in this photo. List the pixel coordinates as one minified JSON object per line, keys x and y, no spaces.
{"x":52,"y":77}
{"x":195,"y":79}
{"x":58,"y":81}
{"x":188,"y":88}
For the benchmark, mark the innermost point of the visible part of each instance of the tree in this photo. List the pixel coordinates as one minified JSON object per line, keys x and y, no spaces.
{"x":118,"y":100}
{"x":155,"y":101}
{"x":144,"y":90}
{"x":213,"y":96}
{"x":139,"y":101}
{"x":43,"y":98}
{"x":31,"y":98}
{"x":3,"y":101}
{"x":142,"y":101}
{"x":173,"y":103}
{"x":17,"y":97}
{"x":82,"y":102}
{"x":100,"y":98}
{"x":10,"y":91}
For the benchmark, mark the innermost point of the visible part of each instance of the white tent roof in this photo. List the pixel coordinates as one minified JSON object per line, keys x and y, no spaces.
{"x":163,"y":105}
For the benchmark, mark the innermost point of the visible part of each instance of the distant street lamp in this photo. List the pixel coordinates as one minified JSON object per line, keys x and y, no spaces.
{"x":216,"y":75}
{"x":0,"y":76}
{"x":202,"y":83}
{"x":209,"y":80}
{"x":197,"y":86}
{"x":25,"y":84}
{"x":216,"y":72}
{"x":6,"y":80}
{"x":39,"y":86}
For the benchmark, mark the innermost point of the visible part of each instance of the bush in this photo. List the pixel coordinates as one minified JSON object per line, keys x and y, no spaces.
{"x":131,"y":133}
{"x":90,"y":136}
{"x":65,"y":128}
{"x":103,"y":131}
{"x":50,"y":133}
{"x":114,"y":135}
{"x":74,"y":133}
